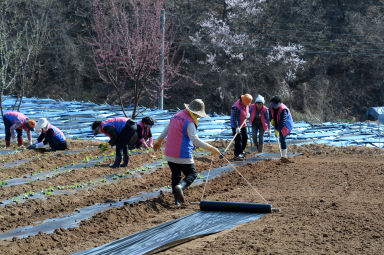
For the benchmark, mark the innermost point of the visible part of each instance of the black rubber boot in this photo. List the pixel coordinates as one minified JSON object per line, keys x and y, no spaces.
{"x":179,"y":194}
{"x":257,"y":146}
{"x":125,"y":161}
{"x":177,"y":202}
{"x":260,"y":148}
{"x":116,"y":163}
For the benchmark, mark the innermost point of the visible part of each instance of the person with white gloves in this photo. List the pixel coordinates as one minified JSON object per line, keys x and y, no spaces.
{"x":181,"y":134}
{"x":239,"y":116}
{"x":49,"y":134}
{"x":282,"y":121}
{"x":260,"y":122}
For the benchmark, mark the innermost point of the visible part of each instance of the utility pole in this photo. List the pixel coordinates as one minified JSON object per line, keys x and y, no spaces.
{"x":161,"y":79}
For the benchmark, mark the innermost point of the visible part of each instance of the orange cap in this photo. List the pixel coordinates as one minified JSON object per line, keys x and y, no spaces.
{"x":30,"y":124}
{"x":246,"y":99}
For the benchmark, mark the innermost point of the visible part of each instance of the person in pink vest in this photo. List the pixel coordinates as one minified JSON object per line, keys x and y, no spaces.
{"x":17,"y":121}
{"x":122,"y":132}
{"x":282,"y":121}
{"x":49,"y":134}
{"x":181,"y":133}
{"x":144,"y":135}
{"x":239,"y":116}
{"x":260,"y":122}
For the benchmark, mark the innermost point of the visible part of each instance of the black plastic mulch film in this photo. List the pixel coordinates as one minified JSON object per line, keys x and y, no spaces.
{"x":194,"y":225}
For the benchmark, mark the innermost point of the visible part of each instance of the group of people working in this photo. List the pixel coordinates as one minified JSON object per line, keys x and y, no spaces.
{"x":260,"y":118}
{"x":181,"y":133}
{"x":48,"y":133}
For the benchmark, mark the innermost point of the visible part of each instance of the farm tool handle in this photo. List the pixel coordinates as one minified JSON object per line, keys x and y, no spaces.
{"x":278,"y":142}
{"x":222,"y":154}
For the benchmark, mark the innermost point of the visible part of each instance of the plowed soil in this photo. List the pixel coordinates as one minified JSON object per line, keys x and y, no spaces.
{"x":331,"y":201}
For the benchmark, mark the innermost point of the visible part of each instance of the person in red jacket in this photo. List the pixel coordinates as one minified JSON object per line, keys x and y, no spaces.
{"x":282,"y":121}
{"x":122,"y":132}
{"x":239,"y":116}
{"x":49,"y":134}
{"x":260,"y":122}
{"x":19,"y":122}
{"x":144,"y":134}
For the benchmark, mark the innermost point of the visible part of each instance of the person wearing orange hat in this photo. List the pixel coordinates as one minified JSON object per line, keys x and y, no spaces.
{"x":17,"y":121}
{"x":239,"y":116}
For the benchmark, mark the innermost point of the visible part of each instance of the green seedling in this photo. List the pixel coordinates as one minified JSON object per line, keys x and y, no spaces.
{"x":16,"y":200}
{"x":200,"y":176}
{"x":2,"y":183}
{"x":103,"y":180}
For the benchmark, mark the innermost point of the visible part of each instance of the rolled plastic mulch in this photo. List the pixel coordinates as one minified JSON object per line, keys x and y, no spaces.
{"x":235,"y":207}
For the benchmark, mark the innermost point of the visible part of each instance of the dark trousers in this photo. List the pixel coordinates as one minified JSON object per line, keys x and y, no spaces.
{"x":127,"y":137}
{"x":121,"y":148}
{"x":187,"y":169}
{"x":55,"y":143}
{"x":257,"y":128}
{"x":7,"y":127}
{"x":283,"y":143}
{"x":240,"y":140}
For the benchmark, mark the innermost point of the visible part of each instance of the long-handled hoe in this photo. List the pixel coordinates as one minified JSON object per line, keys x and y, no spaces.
{"x":222,"y":154}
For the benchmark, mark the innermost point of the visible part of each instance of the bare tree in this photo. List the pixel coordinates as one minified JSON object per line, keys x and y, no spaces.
{"x":8,"y":51}
{"x":34,"y":37}
{"x":126,"y":46}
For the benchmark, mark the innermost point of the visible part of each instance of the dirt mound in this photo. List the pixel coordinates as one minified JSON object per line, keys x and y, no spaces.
{"x":330,"y":200}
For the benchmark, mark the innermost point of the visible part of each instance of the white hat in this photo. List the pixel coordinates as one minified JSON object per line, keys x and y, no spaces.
{"x":259,"y":99}
{"x":41,"y":124}
{"x":197,"y":107}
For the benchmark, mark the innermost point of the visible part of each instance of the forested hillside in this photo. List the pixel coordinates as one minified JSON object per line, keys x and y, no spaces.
{"x":324,"y":58}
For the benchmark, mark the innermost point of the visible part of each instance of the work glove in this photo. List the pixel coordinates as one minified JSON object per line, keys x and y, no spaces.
{"x":39,"y":145}
{"x":273,"y":122}
{"x":237,"y":130}
{"x":277,"y":134}
{"x":215,"y":151}
{"x":157,"y":144}
{"x":248,"y":115}
{"x":150,"y":142}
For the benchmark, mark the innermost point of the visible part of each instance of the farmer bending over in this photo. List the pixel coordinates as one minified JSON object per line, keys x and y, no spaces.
{"x":49,"y":134}
{"x":144,"y":135}
{"x":182,"y":136}
{"x":17,"y":121}
{"x":122,"y":132}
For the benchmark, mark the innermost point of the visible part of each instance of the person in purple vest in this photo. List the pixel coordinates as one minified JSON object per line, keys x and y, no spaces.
{"x":122,"y":132}
{"x":260,"y":122}
{"x":144,"y":135}
{"x":239,"y":116}
{"x":282,"y":121}
{"x":17,"y":121}
{"x":181,"y":133}
{"x":49,"y":134}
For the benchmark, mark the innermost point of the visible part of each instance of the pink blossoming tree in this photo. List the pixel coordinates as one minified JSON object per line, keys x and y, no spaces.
{"x":126,"y":45}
